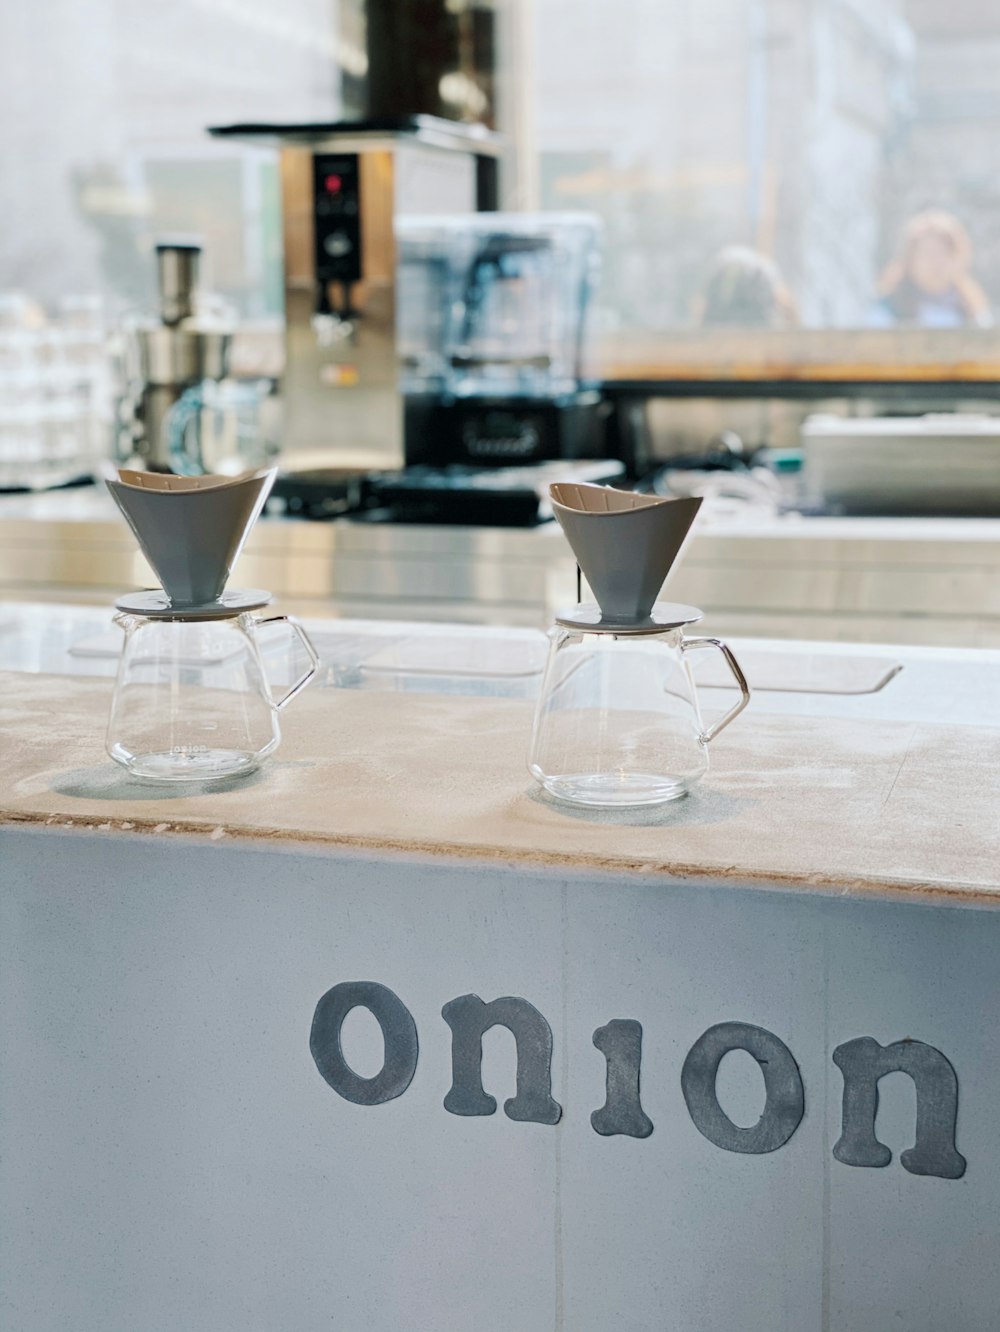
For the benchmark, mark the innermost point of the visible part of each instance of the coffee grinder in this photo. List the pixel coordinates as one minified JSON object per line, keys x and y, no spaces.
{"x":166,"y":356}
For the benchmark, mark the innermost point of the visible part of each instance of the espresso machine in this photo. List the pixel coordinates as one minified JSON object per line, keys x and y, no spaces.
{"x":396,"y":406}
{"x":345,"y":187}
{"x":166,"y":356}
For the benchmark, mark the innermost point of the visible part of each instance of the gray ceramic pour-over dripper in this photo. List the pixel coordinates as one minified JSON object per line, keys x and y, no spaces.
{"x":624,"y":543}
{"x":191,"y":529}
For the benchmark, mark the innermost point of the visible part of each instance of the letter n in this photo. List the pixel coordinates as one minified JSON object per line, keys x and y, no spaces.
{"x":469,"y":1018}
{"x":863,"y":1062}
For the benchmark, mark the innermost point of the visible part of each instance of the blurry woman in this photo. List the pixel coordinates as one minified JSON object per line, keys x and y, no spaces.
{"x":745,"y":290}
{"x":929,"y":284}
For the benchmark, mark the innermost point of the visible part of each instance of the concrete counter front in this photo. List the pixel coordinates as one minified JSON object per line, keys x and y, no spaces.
{"x":380,"y":1040}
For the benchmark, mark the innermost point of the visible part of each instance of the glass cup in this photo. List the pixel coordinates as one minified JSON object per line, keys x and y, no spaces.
{"x":617,"y":722}
{"x":192,"y":701}
{"x":224,"y":427}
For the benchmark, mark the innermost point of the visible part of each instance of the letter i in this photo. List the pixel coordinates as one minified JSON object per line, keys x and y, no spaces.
{"x":621,"y":1044}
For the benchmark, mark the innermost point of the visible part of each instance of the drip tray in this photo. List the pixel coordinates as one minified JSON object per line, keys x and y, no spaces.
{"x":801,"y":673}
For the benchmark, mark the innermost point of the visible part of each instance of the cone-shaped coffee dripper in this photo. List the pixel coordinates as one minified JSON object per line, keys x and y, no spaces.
{"x":624,"y":543}
{"x":191,"y":529}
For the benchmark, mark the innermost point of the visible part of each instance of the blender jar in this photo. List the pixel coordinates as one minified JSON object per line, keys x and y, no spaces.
{"x":494,"y":304}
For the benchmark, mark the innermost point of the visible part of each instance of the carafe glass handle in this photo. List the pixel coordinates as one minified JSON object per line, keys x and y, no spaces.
{"x":689,"y":644}
{"x":310,"y":651}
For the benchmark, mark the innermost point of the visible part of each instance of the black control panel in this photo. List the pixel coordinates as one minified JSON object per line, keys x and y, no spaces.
{"x":337,"y":204}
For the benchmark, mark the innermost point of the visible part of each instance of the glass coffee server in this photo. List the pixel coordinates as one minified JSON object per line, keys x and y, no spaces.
{"x":617,"y":721}
{"x":192,"y":700}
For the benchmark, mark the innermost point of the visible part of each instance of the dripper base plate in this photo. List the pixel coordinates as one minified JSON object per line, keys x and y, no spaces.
{"x":156,"y":605}
{"x":664,"y":615}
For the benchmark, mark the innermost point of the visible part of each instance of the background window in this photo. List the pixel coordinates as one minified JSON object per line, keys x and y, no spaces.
{"x":762,"y":163}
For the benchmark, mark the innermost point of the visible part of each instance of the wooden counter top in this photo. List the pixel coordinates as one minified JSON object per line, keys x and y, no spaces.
{"x":808,"y":804}
{"x":801,"y":355}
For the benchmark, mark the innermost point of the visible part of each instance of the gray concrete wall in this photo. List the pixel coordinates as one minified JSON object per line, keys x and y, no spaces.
{"x":171,"y":1157}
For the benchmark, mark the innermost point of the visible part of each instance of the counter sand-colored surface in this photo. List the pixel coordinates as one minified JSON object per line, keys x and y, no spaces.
{"x":871,"y":808}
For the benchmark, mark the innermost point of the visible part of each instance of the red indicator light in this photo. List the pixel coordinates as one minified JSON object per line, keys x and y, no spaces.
{"x":333,"y":184}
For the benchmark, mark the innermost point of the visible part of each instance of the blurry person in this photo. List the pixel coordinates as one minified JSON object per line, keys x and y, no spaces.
{"x":928,"y":284}
{"x":745,"y":289}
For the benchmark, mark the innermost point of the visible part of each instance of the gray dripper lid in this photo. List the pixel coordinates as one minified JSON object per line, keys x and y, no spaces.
{"x":191,"y":529}
{"x":624,"y":543}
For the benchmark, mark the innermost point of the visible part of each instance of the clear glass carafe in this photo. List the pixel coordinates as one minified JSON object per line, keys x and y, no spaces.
{"x":192,"y":701}
{"x":617,"y":721}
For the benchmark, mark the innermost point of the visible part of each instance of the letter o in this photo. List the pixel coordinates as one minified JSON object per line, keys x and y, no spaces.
{"x":399,"y":1032}
{"x":784,"y":1105}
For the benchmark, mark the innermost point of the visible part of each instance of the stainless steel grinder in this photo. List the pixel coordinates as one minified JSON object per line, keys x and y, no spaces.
{"x":166,"y":356}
